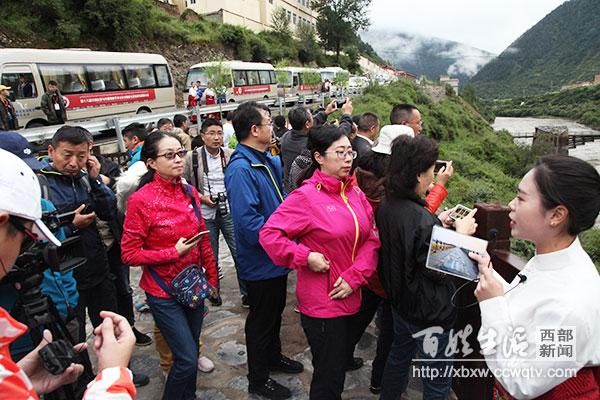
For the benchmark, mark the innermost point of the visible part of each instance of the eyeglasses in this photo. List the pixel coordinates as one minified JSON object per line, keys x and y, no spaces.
{"x":169,"y":155}
{"x":20,"y":226}
{"x":343,"y":154}
{"x":220,"y":133}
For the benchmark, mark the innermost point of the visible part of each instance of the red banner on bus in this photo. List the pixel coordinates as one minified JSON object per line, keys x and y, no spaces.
{"x":87,"y":100}
{"x":309,"y":87}
{"x":251,"y":89}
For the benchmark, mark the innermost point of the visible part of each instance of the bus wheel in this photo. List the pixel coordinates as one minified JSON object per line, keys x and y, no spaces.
{"x":266,"y":97}
{"x":231,"y":101}
{"x":143,"y":110}
{"x":36,"y":124}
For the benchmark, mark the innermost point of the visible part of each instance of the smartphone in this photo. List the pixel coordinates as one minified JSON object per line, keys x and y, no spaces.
{"x":459,"y":212}
{"x":439,"y":164}
{"x":86,"y":210}
{"x":195,"y":237}
{"x":66,"y":218}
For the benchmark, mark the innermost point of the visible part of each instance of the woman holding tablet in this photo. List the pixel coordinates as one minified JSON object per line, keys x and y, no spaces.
{"x":555,"y":300}
{"x":420,"y":297}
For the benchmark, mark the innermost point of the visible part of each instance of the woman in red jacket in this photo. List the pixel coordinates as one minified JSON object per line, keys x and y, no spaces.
{"x":325,"y":230}
{"x":160,"y":216}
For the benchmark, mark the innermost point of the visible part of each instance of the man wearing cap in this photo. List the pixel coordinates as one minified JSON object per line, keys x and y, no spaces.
{"x":60,"y":287}
{"x":20,"y":219}
{"x":8,"y":116}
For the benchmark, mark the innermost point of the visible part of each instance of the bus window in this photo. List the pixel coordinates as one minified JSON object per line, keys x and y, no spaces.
{"x":162,"y":73}
{"x":265,"y":78}
{"x":253,"y":78}
{"x":273,"y":77}
{"x":196,"y":75}
{"x":22,"y":84}
{"x":239,"y":78}
{"x":106,"y":77}
{"x":70,"y":78}
{"x":295,"y":81}
{"x":140,"y":76}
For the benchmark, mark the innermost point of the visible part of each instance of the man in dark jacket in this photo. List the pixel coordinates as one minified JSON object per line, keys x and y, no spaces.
{"x":254,"y":189}
{"x":293,"y":142}
{"x":53,"y":105}
{"x":8,"y":116}
{"x":71,"y":189}
{"x":368,"y":128}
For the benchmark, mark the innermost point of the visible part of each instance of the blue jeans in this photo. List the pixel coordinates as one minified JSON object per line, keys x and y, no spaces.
{"x":224,"y":224}
{"x":180,"y":326}
{"x":404,"y":349}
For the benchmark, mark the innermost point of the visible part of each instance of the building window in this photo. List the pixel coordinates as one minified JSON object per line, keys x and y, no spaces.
{"x":294,"y":18}
{"x":270,"y":1}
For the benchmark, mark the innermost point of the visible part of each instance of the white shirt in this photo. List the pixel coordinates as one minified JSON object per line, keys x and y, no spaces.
{"x":193,"y":92}
{"x":217,"y":182}
{"x":562,"y":290}
{"x":228,"y":132}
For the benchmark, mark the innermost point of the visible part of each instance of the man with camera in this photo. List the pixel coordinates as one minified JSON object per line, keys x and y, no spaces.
{"x":69,"y":188}
{"x":20,"y":221}
{"x":205,"y":168}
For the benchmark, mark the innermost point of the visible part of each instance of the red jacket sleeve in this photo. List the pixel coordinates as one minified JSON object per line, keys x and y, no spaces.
{"x":435,"y":198}
{"x":111,"y":384}
{"x":135,"y":231}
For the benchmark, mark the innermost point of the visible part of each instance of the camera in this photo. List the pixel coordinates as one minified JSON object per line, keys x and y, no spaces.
{"x":220,"y":199}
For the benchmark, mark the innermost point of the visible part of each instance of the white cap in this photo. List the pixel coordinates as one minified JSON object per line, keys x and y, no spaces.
{"x":387,"y":135}
{"x":20,"y":194}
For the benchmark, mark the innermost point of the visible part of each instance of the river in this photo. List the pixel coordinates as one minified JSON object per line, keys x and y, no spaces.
{"x":590,"y":152}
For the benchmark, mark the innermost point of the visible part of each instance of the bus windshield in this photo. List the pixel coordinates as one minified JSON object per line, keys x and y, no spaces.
{"x":195,"y":75}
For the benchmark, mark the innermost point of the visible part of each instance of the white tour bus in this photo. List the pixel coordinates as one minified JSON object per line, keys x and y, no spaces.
{"x":297,"y":84}
{"x":93,"y":83}
{"x":249,"y":80}
{"x":328,"y":77}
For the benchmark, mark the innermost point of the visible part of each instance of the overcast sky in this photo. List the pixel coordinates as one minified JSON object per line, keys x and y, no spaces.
{"x":490,"y":25}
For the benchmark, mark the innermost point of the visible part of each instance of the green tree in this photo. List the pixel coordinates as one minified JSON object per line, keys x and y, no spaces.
{"x":116,"y":21}
{"x":280,"y":22}
{"x":307,"y":47}
{"x":338,"y":20}
{"x":219,"y":78}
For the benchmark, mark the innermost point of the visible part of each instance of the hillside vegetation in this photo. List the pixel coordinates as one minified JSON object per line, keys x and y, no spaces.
{"x":563,"y":47}
{"x":488,"y":165}
{"x":579,"y":104}
{"x":138,"y":24}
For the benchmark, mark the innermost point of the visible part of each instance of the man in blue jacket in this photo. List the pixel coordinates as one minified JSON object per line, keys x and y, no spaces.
{"x":254,"y":187}
{"x":70,"y":189}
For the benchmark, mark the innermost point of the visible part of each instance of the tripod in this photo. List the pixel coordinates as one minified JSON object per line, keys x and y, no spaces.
{"x":38,"y":312}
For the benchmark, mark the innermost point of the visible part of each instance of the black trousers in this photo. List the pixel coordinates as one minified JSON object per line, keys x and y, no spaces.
{"x":102,"y":297}
{"x":267,"y":301}
{"x":371,"y":304}
{"x":328,"y":342}
{"x":124,"y":291}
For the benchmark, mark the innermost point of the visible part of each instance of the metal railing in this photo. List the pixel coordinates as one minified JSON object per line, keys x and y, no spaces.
{"x":117,"y":123}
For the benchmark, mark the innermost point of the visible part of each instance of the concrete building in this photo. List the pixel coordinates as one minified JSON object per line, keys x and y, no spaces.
{"x":252,"y":14}
{"x":446,"y":80}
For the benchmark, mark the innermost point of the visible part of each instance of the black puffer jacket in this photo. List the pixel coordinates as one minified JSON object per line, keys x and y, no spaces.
{"x":420,"y":295}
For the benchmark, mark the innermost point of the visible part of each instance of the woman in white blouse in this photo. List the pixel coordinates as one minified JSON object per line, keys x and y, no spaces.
{"x":545,"y":325}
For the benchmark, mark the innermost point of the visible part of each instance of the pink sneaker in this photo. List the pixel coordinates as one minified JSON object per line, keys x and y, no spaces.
{"x":205,"y":364}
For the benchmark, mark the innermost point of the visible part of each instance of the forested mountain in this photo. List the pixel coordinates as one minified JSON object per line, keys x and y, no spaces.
{"x":563,"y":47}
{"x":427,"y":56}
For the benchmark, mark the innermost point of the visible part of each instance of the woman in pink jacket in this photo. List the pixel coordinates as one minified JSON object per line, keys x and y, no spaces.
{"x":160,"y":216}
{"x":325,"y":231}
